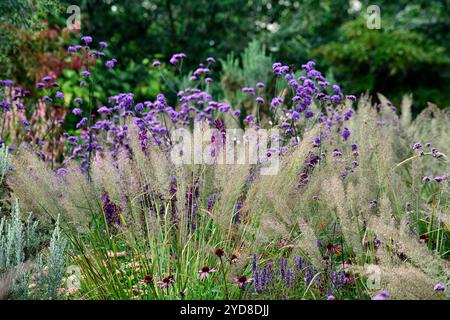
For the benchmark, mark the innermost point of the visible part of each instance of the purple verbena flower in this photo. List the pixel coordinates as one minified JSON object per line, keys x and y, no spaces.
{"x":439,"y":287}
{"x":383,"y":295}
{"x":346,"y":133}
{"x":86,"y":39}
{"x":416,"y":146}
{"x":59,"y":95}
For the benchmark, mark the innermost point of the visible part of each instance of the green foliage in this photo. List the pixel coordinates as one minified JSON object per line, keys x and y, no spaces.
{"x":17,"y":15}
{"x":385,"y":60}
{"x":253,"y":66}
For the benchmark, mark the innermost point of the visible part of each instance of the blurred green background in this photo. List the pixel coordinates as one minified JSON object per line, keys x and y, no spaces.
{"x":409,"y":54}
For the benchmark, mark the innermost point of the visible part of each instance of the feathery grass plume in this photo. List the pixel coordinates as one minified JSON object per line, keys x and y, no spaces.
{"x":386,"y":214}
{"x":431,"y":125}
{"x":273,"y":197}
{"x":364,"y":127}
{"x":403,"y":282}
{"x":154,"y":164}
{"x":404,"y":247}
{"x":79,"y":200}
{"x":134,"y":197}
{"x":308,"y":241}
{"x":336,"y":200}
{"x":409,"y":283}
{"x":49,"y":194}
{"x":230,"y":180}
{"x":406,"y":115}
{"x":34,"y":184}
{"x":104,"y":174}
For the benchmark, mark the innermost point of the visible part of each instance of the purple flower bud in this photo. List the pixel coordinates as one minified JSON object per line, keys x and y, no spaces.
{"x":6,"y":83}
{"x":439,"y":179}
{"x":224,"y":107}
{"x":439,"y":287}
{"x":139,"y":107}
{"x":104,"y":109}
{"x":276,"y":65}
{"x":336,"y":99}
{"x":176,"y":57}
{"x":346,"y":134}
{"x":59,"y":95}
{"x":85,"y":73}
{"x":110,"y":63}
{"x":417,"y":146}
{"x":77,"y":111}
{"x":383,"y":295}
{"x":62,"y":171}
{"x":336,"y":88}
{"x":82,"y":122}
{"x":86,"y":39}
{"x":103,"y":44}
{"x":248,"y":118}
{"x":309,"y":114}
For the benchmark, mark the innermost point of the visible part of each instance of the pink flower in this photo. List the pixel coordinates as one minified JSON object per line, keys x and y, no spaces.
{"x":242,"y":280}
{"x":204,"y":273}
{"x":166,"y":282}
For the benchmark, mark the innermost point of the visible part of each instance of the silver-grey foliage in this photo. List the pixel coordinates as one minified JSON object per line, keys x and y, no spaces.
{"x":12,"y":239}
{"x":4,"y":162}
{"x":56,"y":261}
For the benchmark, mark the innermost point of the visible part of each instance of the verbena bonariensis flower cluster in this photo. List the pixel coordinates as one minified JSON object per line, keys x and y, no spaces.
{"x":105,"y":128}
{"x":343,"y":201}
